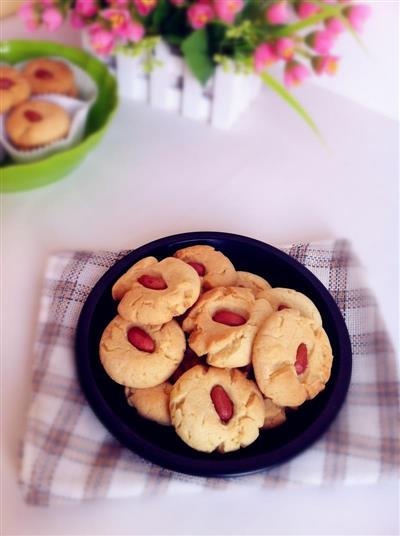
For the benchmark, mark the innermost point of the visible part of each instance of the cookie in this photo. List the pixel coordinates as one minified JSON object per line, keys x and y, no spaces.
{"x":140,"y":356}
{"x":292,"y":358}
{"x":223,"y":324}
{"x":36,"y":123}
{"x":255,"y":282}
{"x":14,"y":88}
{"x":287,"y":298}
{"x":50,"y":76}
{"x":216,"y":409}
{"x":159,"y":291}
{"x":125,"y":282}
{"x":151,"y":403}
{"x":274,"y":415}
{"x":213,"y":267}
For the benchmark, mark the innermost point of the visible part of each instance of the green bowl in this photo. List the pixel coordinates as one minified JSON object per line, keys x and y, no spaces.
{"x":16,"y":177}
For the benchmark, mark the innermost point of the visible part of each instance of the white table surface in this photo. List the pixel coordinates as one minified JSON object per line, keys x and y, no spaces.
{"x":155,"y":174}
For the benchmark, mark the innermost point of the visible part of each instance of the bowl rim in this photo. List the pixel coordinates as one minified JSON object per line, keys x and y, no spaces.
{"x":207,"y":467}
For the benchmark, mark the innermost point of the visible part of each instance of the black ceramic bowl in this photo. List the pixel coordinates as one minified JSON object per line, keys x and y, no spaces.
{"x":160,"y":444}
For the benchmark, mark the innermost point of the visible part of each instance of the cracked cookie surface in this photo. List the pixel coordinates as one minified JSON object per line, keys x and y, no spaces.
{"x":274,"y":415}
{"x":157,"y":306}
{"x":218,"y":269}
{"x":196,"y":420}
{"x":253,"y":281}
{"x":287,"y":298}
{"x":278,"y":372}
{"x":225,"y":345}
{"x":151,"y":403}
{"x":129,"y":366}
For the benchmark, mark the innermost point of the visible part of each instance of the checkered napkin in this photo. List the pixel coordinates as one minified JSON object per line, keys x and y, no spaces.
{"x":67,"y":454}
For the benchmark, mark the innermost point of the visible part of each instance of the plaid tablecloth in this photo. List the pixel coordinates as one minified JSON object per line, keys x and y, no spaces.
{"x":68,"y":455}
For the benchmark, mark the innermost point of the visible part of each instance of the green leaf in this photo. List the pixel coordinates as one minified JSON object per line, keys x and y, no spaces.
{"x":160,"y":14}
{"x":326,"y":12}
{"x":197,"y":55}
{"x":270,"y":81}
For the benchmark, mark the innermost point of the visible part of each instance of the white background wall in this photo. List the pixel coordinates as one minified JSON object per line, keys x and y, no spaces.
{"x":371,"y":77}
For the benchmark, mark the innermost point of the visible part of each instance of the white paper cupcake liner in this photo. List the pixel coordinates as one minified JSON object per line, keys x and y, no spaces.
{"x":76,"y":109}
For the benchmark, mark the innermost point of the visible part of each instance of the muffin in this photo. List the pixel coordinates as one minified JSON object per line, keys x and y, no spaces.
{"x":36,"y":123}
{"x":50,"y":76}
{"x":14,"y":88}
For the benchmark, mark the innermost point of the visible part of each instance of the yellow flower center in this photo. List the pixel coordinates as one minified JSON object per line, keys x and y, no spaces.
{"x":149,"y":3}
{"x":116,"y":20}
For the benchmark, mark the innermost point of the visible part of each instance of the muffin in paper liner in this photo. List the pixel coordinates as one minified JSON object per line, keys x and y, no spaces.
{"x":77,"y":109}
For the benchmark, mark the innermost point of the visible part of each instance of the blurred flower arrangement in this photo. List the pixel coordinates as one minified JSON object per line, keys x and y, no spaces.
{"x":253,"y":34}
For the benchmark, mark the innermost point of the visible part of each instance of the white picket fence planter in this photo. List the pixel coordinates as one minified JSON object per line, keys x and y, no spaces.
{"x":172,"y":87}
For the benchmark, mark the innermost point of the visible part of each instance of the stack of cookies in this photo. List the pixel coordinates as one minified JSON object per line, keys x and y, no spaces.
{"x":33,"y":123}
{"x":216,"y":353}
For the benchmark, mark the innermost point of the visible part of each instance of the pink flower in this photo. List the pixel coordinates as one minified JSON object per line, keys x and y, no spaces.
{"x":325,"y":64}
{"x":334,"y":25}
{"x":277,"y":13}
{"x":306,"y":9}
{"x":295,"y":73}
{"x":28,"y":15}
{"x":199,"y":15}
{"x":357,"y":15}
{"x":134,"y":31}
{"x":52,"y":19}
{"x":284,"y":48}
{"x":145,"y":7}
{"x":321,"y":41}
{"x":264,"y":56}
{"x":86,"y":8}
{"x":101,"y":40}
{"x":117,"y":3}
{"x":47,"y":3}
{"x":76,"y":20}
{"x":227,"y":10}
{"x":177,"y":3}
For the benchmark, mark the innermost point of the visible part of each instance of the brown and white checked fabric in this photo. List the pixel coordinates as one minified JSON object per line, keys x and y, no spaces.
{"x":68,"y":455}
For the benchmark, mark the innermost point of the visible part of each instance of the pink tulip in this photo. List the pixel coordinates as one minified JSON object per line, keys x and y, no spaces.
{"x":52,"y":19}
{"x":334,"y":25}
{"x":277,"y":13}
{"x":199,"y":15}
{"x":264,"y":56}
{"x":86,"y":8}
{"x":135,"y":31}
{"x":357,"y":15}
{"x":118,"y":3}
{"x":226,"y":10}
{"x":145,"y":7}
{"x":177,"y":3}
{"x":295,"y":73}
{"x":47,"y":3}
{"x":28,"y":15}
{"x":306,"y":9}
{"x":284,"y":48}
{"x":76,"y":21}
{"x":321,"y":41}
{"x":325,"y":64}
{"x":101,"y":40}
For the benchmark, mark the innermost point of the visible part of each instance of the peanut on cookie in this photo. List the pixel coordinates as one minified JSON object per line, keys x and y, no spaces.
{"x":216,"y":409}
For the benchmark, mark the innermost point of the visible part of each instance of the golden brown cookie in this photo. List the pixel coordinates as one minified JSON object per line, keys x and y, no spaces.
{"x":216,"y":409}
{"x":223,"y":324}
{"x":253,"y":281}
{"x":292,"y":358}
{"x":159,"y":291}
{"x":274,"y":415}
{"x":125,"y":282}
{"x":213,"y":267}
{"x":14,"y":88}
{"x":287,"y":298}
{"x":50,"y":76}
{"x":140,"y":356}
{"x":36,"y":123}
{"x":151,"y":403}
